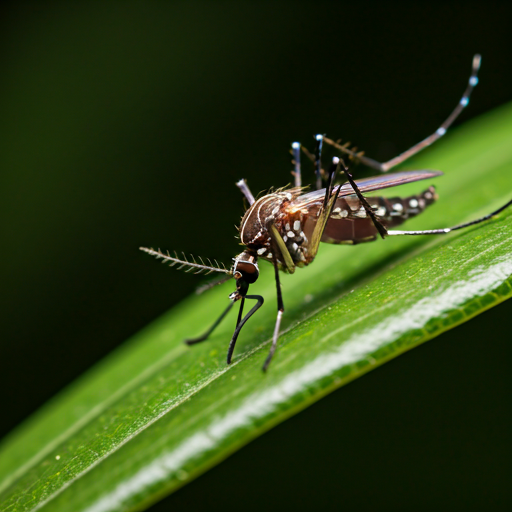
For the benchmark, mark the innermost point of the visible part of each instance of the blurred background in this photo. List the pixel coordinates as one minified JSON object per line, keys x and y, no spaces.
{"x":127,"y":124}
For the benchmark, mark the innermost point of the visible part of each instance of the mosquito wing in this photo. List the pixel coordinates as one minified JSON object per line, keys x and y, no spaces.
{"x":348,"y":222}
{"x":368,"y":185}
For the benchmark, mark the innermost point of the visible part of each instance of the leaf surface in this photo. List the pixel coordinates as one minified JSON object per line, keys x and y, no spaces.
{"x":155,"y":413}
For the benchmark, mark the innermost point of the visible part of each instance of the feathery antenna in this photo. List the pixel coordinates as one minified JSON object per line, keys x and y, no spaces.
{"x":185,"y":264}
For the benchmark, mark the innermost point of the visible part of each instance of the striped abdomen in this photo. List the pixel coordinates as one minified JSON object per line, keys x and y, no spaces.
{"x":349,"y":223}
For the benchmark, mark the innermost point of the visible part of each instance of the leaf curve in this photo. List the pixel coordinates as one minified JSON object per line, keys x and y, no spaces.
{"x":155,"y":413}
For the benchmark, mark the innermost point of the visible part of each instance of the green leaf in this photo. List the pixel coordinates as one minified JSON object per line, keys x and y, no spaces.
{"x":155,"y":413}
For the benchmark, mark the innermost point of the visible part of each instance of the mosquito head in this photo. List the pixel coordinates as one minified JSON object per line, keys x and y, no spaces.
{"x":245,"y":270}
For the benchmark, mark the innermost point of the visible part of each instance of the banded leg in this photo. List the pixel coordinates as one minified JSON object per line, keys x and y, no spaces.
{"x":369,"y":211}
{"x":315,"y":158}
{"x":318,"y":160}
{"x":383,"y":231}
{"x":386,"y":166}
{"x":280,"y":311}
{"x":296,"y":162}
{"x":443,"y":231}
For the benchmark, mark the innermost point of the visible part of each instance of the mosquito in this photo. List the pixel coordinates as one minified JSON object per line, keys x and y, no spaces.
{"x":285,"y":227}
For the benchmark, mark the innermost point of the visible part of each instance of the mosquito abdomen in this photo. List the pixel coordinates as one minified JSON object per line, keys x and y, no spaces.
{"x":350,"y":224}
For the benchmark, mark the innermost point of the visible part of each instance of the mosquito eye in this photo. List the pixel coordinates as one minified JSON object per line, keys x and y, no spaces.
{"x":249,"y":271}
{"x":246,"y":268}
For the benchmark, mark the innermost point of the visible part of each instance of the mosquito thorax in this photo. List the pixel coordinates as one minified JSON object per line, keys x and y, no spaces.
{"x":253,"y":228}
{"x":272,"y":208}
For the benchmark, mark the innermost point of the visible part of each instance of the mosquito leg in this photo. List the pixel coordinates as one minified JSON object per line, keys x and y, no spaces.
{"x":318,"y":160}
{"x":296,"y":162}
{"x":377,"y":223}
{"x":333,"y":171}
{"x":454,"y":228}
{"x":386,"y":166}
{"x":193,"y":341}
{"x":280,"y":311}
{"x":326,"y":210}
{"x":232,"y":343}
{"x":313,"y":159}
{"x":246,"y":191}
{"x":279,"y":244}
{"x":241,"y":323}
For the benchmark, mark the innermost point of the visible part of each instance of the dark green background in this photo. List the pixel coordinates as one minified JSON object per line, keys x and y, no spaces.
{"x":127,"y":124}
